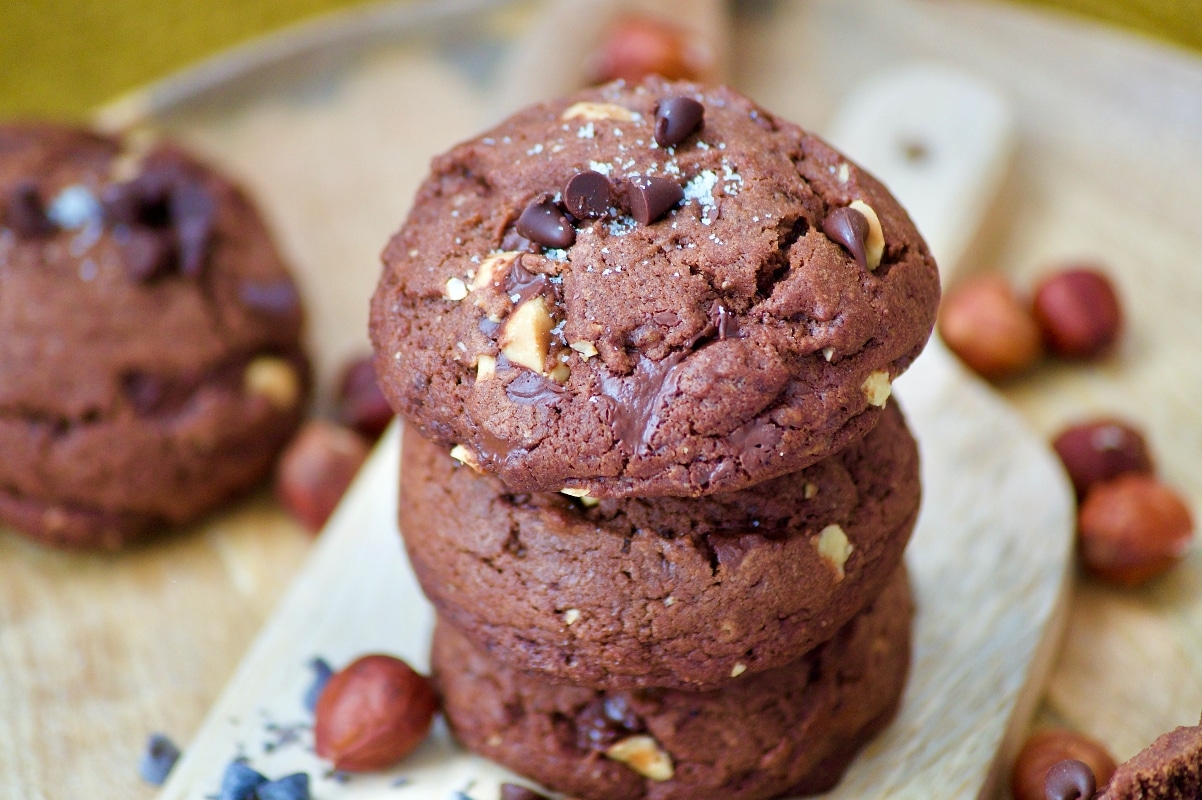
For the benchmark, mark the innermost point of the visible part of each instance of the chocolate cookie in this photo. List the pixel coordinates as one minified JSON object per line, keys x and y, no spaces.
{"x":658,"y":289}
{"x":1168,"y":769}
{"x":150,"y":356}
{"x":786,"y":732}
{"x":673,"y":592}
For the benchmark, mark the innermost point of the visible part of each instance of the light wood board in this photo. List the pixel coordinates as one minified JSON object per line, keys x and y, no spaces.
{"x":95,"y":652}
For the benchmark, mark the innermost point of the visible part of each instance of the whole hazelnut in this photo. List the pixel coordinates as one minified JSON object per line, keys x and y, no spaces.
{"x":1099,"y":450}
{"x":315,"y":470}
{"x":638,"y":46}
{"x":1078,"y":311}
{"x":372,"y":714}
{"x":360,"y":404}
{"x":984,"y":323}
{"x":1049,"y":747}
{"x":1132,"y":528}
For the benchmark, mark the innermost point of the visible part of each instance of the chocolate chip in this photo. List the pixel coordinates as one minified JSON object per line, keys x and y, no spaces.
{"x":532,"y":389}
{"x":511,"y":791}
{"x":289,"y":787}
{"x":322,"y":672}
{"x":604,"y":721}
{"x":588,"y":195}
{"x":675,"y":119}
{"x":542,"y":222}
{"x":192,"y":214}
{"x":514,"y":241}
{"x":725,"y":325}
{"x":239,"y":781}
{"x":848,"y":227}
{"x":27,"y":213}
{"x":650,"y":198}
{"x":147,"y":253}
{"x":1069,"y":780}
{"x":159,"y":757}
{"x":276,"y":297}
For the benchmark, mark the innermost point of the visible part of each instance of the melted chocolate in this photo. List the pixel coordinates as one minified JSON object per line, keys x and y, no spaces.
{"x":530,"y":389}
{"x":632,"y":410}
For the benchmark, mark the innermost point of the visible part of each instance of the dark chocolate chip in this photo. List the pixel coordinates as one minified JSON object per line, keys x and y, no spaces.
{"x":604,"y":721}
{"x":322,"y":672}
{"x":524,"y":283}
{"x":192,"y":212}
{"x":848,"y":227}
{"x":239,"y":781}
{"x":544,"y":223}
{"x":159,"y":757}
{"x":289,"y":787}
{"x":531,"y":389}
{"x":1069,"y":780}
{"x":148,"y":253}
{"x":514,"y":241}
{"x":276,"y":297}
{"x":675,"y":119}
{"x":588,"y":195}
{"x":725,"y":325}
{"x":488,"y":327}
{"x":27,"y":213}
{"x":650,"y":198}
{"x":511,"y":791}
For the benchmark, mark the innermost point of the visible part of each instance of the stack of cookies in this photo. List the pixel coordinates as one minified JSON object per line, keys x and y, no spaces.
{"x":652,"y":479}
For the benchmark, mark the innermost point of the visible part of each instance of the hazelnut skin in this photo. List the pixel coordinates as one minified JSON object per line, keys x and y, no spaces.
{"x":315,"y":470}
{"x":372,"y":714}
{"x":1079,"y":313}
{"x":984,"y":323}
{"x":1131,"y":529}
{"x":1049,"y":747}
{"x":1099,"y":450}
{"x":638,"y":46}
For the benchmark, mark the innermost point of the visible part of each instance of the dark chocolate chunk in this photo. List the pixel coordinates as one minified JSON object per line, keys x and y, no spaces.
{"x":542,"y":222}
{"x":650,"y":198}
{"x":725,"y":325}
{"x":675,"y":119}
{"x":192,"y":214}
{"x":514,"y":241}
{"x":322,"y":672}
{"x":1070,"y":780}
{"x":239,"y":781}
{"x":289,"y":787}
{"x":148,"y":253}
{"x":604,"y":721}
{"x":511,"y":791}
{"x":588,"y":195}
{"x":848,"y":227}
{"x":156,"y":762}
{"x":530,"y":388}
{"x":524,"y":283}
{"x":27,"y":213}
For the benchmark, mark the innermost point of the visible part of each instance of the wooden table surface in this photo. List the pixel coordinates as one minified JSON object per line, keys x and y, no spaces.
{"x":96,"y":651}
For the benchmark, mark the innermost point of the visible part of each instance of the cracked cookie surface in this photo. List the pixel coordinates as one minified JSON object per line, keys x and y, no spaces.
{"x":668,"y":592}
{"x":150,"y":355}
{"x":576,"y":305}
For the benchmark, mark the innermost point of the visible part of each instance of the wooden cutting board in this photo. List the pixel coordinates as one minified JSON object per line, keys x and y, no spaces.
{"x":97,"y":651}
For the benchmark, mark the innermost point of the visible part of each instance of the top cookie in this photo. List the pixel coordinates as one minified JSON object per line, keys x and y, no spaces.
{"x":657,"y":289}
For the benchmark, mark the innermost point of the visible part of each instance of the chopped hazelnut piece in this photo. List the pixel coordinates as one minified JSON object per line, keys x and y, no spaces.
{"x":492,"y":268}
{"x":486,"y":367}
{"x":834,"y":547}
{"x":643,"y":755}
{"x":455,"y":290}
{"x":526,"y":337}
{"x":586,"y":110}
{"x":874,"y":245}
{"x":877,"y":387}
{"x":272,"y":378}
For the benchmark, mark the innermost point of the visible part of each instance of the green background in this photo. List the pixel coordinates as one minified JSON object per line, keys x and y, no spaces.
{"x":60,"y":58}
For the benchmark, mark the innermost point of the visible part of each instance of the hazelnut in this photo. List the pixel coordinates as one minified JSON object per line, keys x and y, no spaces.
{"x":526,"y":337}
{"x":643,"y":755}
{"x":983,"y":322}
{"x":372,"y":714}
{"x":486,"y":367}
{"x":455,"y":289}
{"x":1078,"y":311}
{"x":359,"y":403}
{"x":1132,"y":528}
{"x":315,"y":470}
{"x":877,"y":387}
{"x":834,"y":547}
{"x":638,"y":46}
{"x":1099,"y":450}
{"x":1046,"y":749}
{"x":493,"y":269}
